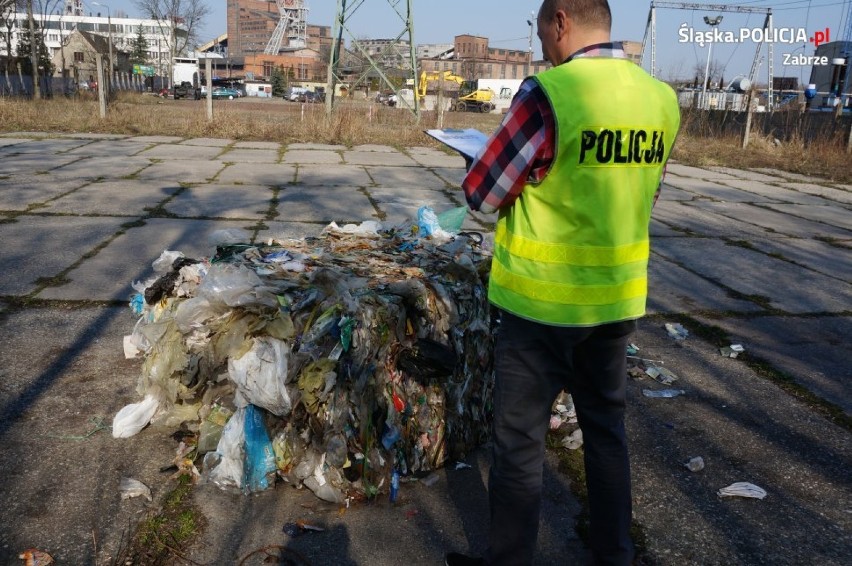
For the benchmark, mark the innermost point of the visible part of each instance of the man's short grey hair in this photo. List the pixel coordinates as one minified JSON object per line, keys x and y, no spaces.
{"x":587,"y":13}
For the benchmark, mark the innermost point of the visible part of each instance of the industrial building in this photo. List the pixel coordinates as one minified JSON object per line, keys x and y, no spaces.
{"x":833,"y":81}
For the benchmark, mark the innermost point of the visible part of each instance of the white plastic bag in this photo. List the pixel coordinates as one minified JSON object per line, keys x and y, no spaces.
{"x":163,"y":264}
{"x":134,"y":417}
{"x":235,"y":286}
{"x":231,"y":450}
{"x":260,"y":375}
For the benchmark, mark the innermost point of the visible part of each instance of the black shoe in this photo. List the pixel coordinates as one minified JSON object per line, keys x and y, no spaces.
{"x":456,"y":559}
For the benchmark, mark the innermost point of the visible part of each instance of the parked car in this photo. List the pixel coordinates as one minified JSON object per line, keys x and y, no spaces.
{"x":227,"y":93}
{"x":310,"y":97}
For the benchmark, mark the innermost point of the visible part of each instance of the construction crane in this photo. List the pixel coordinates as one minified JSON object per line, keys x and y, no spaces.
{"x":292,"y":24}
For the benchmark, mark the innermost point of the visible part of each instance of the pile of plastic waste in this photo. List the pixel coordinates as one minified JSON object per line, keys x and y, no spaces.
{"x":332,"y":362}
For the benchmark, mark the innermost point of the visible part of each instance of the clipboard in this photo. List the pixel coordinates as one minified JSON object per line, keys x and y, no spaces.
{"x":467,"y":142}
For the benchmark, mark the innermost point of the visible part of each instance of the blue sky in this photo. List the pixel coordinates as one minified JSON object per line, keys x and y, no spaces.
{"x":504,"y":22}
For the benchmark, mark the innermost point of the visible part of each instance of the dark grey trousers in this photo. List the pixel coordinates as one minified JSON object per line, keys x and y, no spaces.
{"x":534,"y":362}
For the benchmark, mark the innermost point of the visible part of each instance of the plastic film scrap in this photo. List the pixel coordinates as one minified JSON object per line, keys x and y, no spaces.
{"x":331,"y":362}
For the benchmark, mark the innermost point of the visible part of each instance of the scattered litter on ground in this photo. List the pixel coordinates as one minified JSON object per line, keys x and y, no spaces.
{"x":462,"y":466}
{"x":742,"y":489}
{"x":632,"y":349}
{"x":301,"y":527}
{"x":431,"y":479}
{"x":130,"y":487}
{"x":676,"y":330}
{"x":661,"y":374}
{"x":328,"y":362}
{"x":695,"y":464}
{"x":665,"y":393}
{"x":574,"y":440}
{"x":33,"y":557}
{"x":732,"y":351}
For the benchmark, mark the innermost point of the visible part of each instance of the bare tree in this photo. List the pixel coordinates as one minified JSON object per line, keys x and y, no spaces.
{"x":713,"y":74}
{"x":179,"y":22}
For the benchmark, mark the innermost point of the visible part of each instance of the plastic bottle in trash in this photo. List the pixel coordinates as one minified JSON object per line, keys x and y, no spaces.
{"x":394,"y":486}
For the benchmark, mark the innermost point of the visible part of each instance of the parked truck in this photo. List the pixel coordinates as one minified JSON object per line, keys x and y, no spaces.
{"x":185,"y":78}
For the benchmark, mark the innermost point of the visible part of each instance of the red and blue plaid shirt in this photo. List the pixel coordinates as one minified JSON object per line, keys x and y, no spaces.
{"x":521,"y":150}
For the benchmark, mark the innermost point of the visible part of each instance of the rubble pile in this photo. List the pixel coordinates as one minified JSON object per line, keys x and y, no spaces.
{"x":331,"y":362}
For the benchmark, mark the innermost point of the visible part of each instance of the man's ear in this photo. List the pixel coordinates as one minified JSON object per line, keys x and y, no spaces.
{"x":562,"y":22}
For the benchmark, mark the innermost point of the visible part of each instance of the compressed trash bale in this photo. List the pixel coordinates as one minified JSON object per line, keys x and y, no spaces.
{"x":365,"y":351}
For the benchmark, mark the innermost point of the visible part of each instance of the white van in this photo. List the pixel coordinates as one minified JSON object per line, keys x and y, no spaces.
{"x":292,"y":93}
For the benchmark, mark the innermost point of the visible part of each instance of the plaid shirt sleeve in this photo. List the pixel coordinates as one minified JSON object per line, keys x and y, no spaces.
{"x":520,"y":151}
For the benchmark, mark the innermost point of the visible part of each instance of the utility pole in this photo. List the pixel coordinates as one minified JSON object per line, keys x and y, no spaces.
{"x":712,"y":22}
{"x":33,"y":50}
{"x":111,"y":60}
{"x":531,"y":23}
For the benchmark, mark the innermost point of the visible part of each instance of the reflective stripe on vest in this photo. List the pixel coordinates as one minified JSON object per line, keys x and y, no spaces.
{"x":573,"y":249}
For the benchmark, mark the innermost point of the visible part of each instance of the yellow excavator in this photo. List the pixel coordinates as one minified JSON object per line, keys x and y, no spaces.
{"x":470,"y":98}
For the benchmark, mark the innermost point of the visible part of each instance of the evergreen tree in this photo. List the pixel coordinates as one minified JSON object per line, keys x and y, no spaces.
{"x":139,"y":48}
{"x":279,"y":82}
{"x":45,"y":67}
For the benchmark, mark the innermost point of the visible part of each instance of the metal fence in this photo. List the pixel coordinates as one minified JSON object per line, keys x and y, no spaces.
{"x":13,"y":84}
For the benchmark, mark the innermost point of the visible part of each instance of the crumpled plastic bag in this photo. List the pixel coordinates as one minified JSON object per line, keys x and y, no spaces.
{"x":235,"y":286}
{"x":260,"y":457}
{"x":574,"y":440}
{"x":130,"y":487}
{"x":231,"y":453}
{"x":229,"y":236}
{"x":742,"y":489}
{"x":134,"y":417}
{"x":260,"y":375}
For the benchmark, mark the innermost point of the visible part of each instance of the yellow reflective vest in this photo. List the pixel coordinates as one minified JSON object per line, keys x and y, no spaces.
{"x":573,"y":249}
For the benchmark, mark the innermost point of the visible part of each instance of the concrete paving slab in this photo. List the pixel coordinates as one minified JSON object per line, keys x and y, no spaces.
{"x":716,"y":191}
{"x":844,"y":187}
{"x":182,"y":171}
{"x":830,"y":193}
{"x":108,"y":148}
{"x":312,"y":204}
{"x":672,"y":193}
{"x":13,"y":141}
{"x":289,"y":230}
{"x":113,"y":198}
{"x":755,"y":274}
{"x":374,"y":147}
{"x":377,"y":158}
{"x":406,"y":177}
{"x":318,"y":146}
{"x":673,"y":289}
{"x":696,"y":172}
{"x":46,"y":245}
{"x":789,"y":175}
{"x":773,"y":221}
{"x":301,"y":156}
{"x":267,"y":174}
{"x":33,"y":135}
{"x":814,"y":254}
{"x":829,"y":214}
{"x":93,"y":136}
{"x":400,"y":205}
{"x":101,"y":167}
{"x":108,"y":275}
{"x":44,"y":146}
{"x":222,"y":201}
{"x":156,"y":139}
{"x":814,"y":351}
{"x":658,"y":229}
{"x":181,"y":152}
{"x":747,"y":175}
{"x":339,"y":175}
{"x":207,"y":142}
{"x":440,"y":161}
{"x":697,"y":221}
{"x":452,"y":175}
{"x":774,"y":192}
{"x":32,"y":163}
{"x":22,"y":192}
{"x":250,"y":156}
{"x":274,"y":146}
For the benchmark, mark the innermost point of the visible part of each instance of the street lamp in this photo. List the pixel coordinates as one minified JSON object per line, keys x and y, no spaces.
{"x":712,"y":22}
{"x":111,"y":60}
{"x":531,"y":23}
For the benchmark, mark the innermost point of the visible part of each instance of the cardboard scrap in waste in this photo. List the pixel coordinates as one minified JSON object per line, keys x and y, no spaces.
{"x":363,"y":350}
